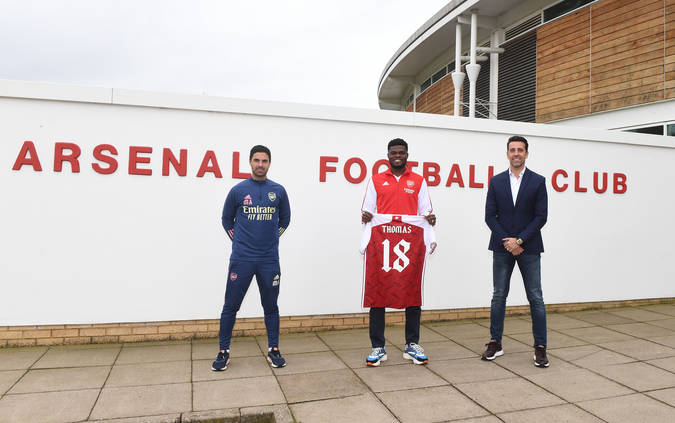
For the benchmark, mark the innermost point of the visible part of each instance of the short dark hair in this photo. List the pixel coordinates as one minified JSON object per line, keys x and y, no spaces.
{"x":517,"y":138}
{"x":397,"y":141}
{"x":260,"y":149}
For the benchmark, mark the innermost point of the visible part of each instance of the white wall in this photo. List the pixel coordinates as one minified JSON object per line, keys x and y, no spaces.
{"x":85,"y":247}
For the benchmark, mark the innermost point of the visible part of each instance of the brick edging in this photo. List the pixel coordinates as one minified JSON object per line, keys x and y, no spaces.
{"x":101,"y":333}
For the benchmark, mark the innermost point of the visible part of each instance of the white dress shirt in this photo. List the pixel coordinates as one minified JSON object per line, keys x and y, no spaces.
{"x":515,"y":183}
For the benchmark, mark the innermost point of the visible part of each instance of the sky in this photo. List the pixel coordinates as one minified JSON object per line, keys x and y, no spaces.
{"x":303,"y":51}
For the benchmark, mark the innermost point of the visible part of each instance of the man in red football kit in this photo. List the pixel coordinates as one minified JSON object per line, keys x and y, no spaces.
{"x":398,"y":190}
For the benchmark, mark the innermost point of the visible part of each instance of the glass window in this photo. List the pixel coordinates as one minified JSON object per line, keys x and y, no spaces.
{"x":671,"y":130}
{"x":426,"y":84}
{"x":563,"y":7}
{"x":654,"y":130}
{"x":438,"y":75}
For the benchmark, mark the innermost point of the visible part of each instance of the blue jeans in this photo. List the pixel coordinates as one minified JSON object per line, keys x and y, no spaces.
{"x":240,"y":274}
{"x":530,"y":269}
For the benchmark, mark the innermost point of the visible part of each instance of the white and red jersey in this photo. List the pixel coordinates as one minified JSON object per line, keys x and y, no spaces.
{"x":395,"y":249}
{"x":406,"y":195}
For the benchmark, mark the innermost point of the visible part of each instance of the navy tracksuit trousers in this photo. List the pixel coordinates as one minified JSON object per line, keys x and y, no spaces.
{"x":240,"y":274}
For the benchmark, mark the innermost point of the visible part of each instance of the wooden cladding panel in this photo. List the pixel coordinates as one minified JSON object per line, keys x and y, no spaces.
{"x":622,"y":30}
{"x":437,"y":99}
{"x":615,"y":59}
{"x":563,"y":68}
{"x":669,"y":62}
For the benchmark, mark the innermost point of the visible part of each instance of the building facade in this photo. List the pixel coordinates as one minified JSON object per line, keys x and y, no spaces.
{"x":569,"y":61}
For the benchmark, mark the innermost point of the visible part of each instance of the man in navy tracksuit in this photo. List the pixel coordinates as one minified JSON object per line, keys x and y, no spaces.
{"x":255,"y":214}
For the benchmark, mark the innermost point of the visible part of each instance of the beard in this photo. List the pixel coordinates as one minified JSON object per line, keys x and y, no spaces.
{"x":401,"y":167}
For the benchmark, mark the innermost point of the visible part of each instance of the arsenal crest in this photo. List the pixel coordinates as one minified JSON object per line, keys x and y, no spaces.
{"x":272,"y":196}
{"x":233,"y":276}
{"x":410,"y":183}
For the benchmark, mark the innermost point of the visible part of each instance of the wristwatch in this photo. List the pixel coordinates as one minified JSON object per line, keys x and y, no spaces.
{"x":519,"y":241}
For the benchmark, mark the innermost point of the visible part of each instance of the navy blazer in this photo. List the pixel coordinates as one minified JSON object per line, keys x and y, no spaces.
{"x":525,"y":219}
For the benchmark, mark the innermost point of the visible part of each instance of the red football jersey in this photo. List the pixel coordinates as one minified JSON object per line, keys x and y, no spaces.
{"x":395,"y":255}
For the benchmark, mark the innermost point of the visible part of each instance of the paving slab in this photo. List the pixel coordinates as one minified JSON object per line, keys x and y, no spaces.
{"x":9,"y":378}
{"x":47,"y":407}
{"x":456,"y":331}
{"x":341,"y":340}
{"x":630,"y":409}
{"x":642,"y":330}
{"x":241,"y":367}
{"x":71,"y":378}
{"x":664,"y":363}
{"x":159,"y":373}
{"x":666,"y":323}
{"x":296,"y":343}
{"x":446,"y":351}
{"x":638,"y":314}
{"x":602,"y":358}
{"x":668,"y":309}
{"x":523,"y":364}
{"x":143,"y":401}
{"x":155,"y":353}
{"x":321,"y":385}
{"x":553,"y":339}
{"x":438,"y":404}
{"x":356,"y":357}
{"x":281,"y":413}
{"x":561,"y":321}
{"x":668,"y":341}
{"x":232,"y":393}
{"x":574,"y":353}
{"x":500,"y":396}
{"x":596,"y":334}
{"x":243,"y":347}
{"x":403,"y":376}
{"x":67,"y":357}
{"x":486,"y":419}
{"x":513,"y":325}
{"x":310,"y":362}
{"x":361,"y":408}
{"x":599,"y":317}
{"x":579,"y":385}
{"x":19,"y":358}
{"x":509,"y":345}
{"x":468,"y":370}
{"x":639,"y":376}
{"x":159,"y":418}
{"x":567,"y":413}
{"x":640,"y":349}
{"x":396,"y":335}
{"x":664,"y":395}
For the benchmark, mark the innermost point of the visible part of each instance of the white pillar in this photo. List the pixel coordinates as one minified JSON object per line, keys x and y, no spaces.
{"x":495,"y":40}
{"x":472,"y":69}
{"x":458,"y":75}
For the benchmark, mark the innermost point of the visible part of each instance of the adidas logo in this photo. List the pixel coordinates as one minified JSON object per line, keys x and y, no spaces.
{"x":385,"y":184}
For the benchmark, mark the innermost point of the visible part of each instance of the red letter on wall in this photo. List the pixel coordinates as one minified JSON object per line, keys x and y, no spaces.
{"x":180,"y":166}
{"x":324,"y":168}
{"x":24,"y":159}
{"x":98,"y":155}
{"x":620,"y":186}
{"x":134,"y":159}
{"x":348,"y":173}
{"x":210,"y":164}
{"x":378,"y":164}
{"x":60,"y":157}
{"x":554,"y":180}
{"x":472,"y":178}
{"x":596,"y":185}
{"x":577,"y":182}
{"x":455,"y":176}
{"x":431,"y":172}
{"x":235,"y":167}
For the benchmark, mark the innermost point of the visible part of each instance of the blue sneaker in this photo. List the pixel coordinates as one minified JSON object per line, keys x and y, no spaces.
{"x":274,"y":358}
{"x":415,"y":353}
{"x":222,"y":361}
{"x":376,"y":357}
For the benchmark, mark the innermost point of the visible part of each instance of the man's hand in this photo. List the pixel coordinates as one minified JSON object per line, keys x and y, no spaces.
{"x":510,"y":244}
{"x":366,"y":216}
{"x":517,"y":251}
{"x":431,"y":218}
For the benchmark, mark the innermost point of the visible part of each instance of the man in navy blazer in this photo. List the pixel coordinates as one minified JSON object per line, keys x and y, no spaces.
{"x":516,"y":209}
